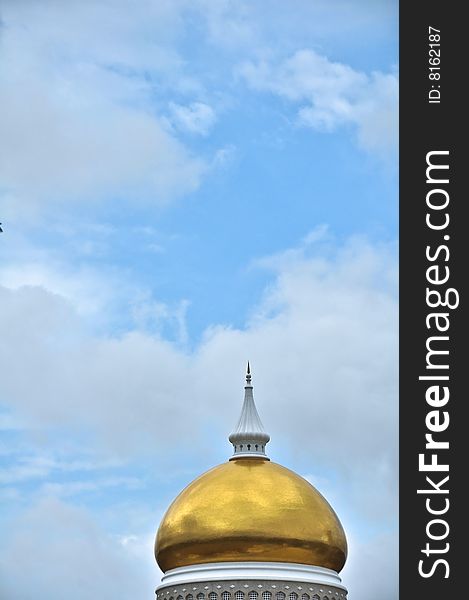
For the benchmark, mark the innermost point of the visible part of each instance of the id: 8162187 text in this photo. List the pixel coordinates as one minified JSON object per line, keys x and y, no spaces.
{"x":434,"y":59}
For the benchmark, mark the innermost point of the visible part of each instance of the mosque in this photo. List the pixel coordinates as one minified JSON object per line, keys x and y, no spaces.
{"x":250,"y":529}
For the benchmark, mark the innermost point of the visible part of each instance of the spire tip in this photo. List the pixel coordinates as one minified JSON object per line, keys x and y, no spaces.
{"x":248,"y":375}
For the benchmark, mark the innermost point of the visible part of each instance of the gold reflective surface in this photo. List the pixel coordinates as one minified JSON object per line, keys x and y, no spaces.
{"x":250,"y":510}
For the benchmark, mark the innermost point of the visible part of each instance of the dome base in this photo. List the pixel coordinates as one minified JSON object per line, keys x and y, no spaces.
{"x":251,"y":581}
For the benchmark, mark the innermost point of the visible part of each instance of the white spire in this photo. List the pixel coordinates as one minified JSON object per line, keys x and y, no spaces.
{"x":249,"y":437}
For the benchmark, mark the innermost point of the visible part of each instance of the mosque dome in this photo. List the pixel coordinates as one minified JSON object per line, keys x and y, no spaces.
{"x":250,"y":509}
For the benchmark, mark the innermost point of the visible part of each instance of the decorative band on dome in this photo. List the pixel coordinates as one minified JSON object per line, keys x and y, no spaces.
{"x":251,"y":581}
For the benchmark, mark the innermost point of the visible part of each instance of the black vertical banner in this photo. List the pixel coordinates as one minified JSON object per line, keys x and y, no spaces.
{"x":434,"y":249}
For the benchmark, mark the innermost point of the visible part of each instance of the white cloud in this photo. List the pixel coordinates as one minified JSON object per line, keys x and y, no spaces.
{"x":84,"y":86}
{"x":83,"y":289}
{"x":371,"y":569}
{"x":149,"y":315}
{"x":77,"y":120}
{"x":72,"y":488}
{"x":59,"y":152}
{"x":196,"y":118}
{"x":23,"y":472}
{"x":225,"y":155}
{"x":9,"y":423}
{"x":331,"y":94}
{"x":103,"y":297}
{"x":63,"y":549}
{"x":27,"y":466}
{"x":243,"y":28}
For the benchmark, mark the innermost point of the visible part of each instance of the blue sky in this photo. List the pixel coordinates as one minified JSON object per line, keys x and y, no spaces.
{"x":183,"y":186}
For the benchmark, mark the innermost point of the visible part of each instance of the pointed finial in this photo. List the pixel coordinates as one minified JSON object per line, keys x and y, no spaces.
{"x":248,"y":375}
{"x":249,"y":438}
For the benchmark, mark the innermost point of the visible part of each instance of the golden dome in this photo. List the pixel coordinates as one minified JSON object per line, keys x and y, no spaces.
{"x":250,"y":509}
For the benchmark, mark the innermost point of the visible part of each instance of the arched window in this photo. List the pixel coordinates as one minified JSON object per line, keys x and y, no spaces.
{"x":239,"y":595}
{"x":180,"y":598}
{"x":280,"y":596}
{"x":293,"y":596}
{"x":253,"y":595}
{"x":212,"y":596}
{"x":201,"y":596}
{"x":189,"y":597}
{"x":316,"y":597}
{"x":304,"y":597}
{"x":225,"y":596}
{"x":266,"y":596}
